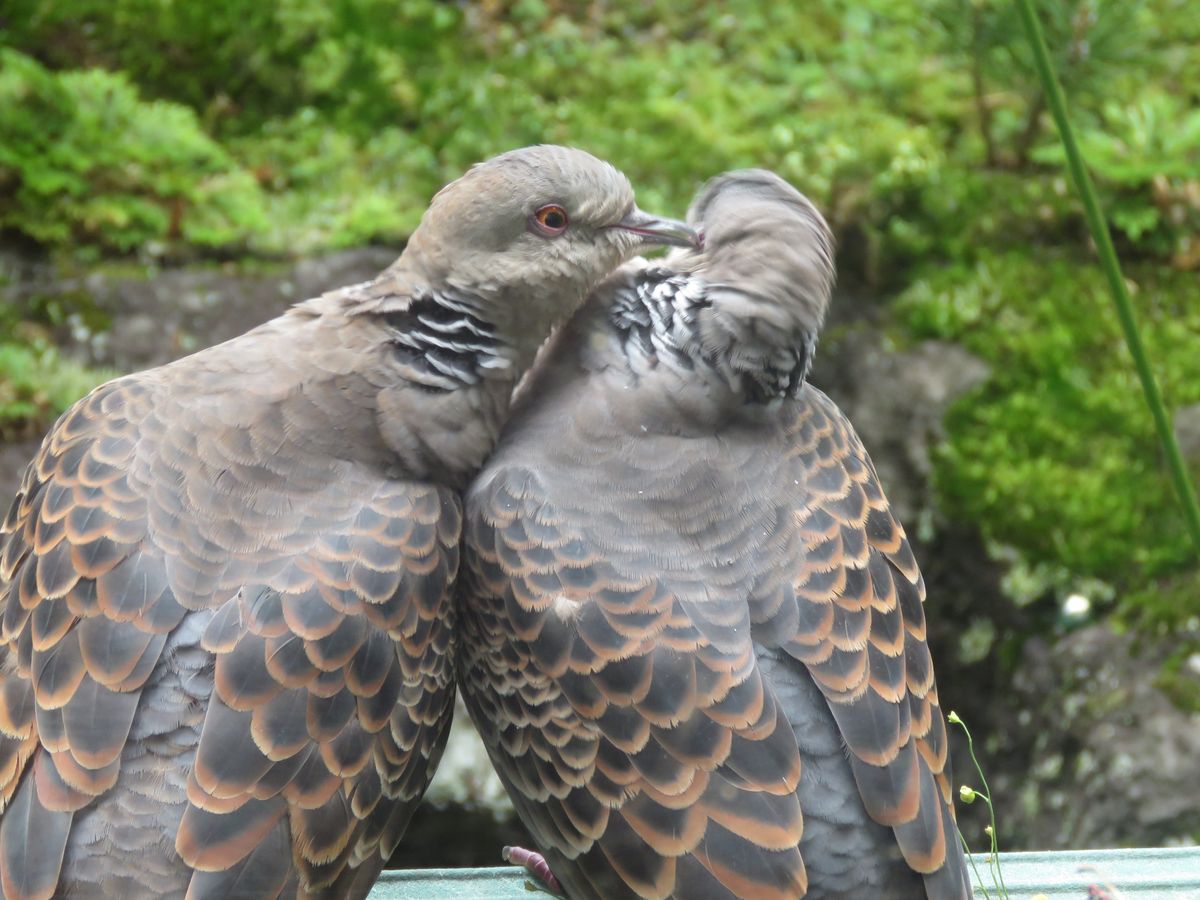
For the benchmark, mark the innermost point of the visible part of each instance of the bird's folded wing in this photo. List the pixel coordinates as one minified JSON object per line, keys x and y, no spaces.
{"x":332,"y":687}
{"x":331,"y":704}
{"x":633,"y":728}
{"x":850,"y":608}
{"x":86,"y":614}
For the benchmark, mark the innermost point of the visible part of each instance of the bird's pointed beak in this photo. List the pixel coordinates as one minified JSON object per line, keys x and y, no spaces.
{"x":655,"y":230}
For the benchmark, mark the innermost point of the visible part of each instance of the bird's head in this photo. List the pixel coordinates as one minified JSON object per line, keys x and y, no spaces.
{"x":767,"y":243}
{"x":525,"y":235}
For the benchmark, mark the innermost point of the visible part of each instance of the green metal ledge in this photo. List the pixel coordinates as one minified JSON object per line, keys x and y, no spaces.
{"x":1170,"y":874}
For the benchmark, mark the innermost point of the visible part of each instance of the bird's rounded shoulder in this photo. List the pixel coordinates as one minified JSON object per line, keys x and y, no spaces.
{"x":80,"y":472}
{"x":113,"y":406}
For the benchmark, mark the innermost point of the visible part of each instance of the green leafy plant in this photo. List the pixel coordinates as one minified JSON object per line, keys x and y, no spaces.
{"x":1146,"y":159}
{"x":83,"y":160}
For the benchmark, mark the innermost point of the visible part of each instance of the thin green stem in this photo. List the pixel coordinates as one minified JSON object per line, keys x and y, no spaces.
{"x":1112,"y":269}
{"x":971,"y":860}
{"x":997,"y":870}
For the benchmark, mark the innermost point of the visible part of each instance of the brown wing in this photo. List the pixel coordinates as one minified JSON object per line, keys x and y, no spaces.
{"x":609,"y":663}
{"x":327,"y":628}
{"x":630,"y":723}
{"x":849,"y":606}
{"x":86,"y":611}
{"x":331,"y":704}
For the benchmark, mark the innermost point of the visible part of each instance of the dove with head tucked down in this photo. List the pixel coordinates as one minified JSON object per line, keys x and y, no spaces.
{"x":692,"y":630}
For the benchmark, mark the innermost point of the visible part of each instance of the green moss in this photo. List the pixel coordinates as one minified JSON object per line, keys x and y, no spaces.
{"x":1179,"y":677}
{"x":1056,"y":454}
{"x":85,"y":162}
{"x":1164,"y":604}
{"x":1184,"y":692}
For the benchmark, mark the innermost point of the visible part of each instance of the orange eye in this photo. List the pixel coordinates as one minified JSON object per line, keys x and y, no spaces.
{"x":551,"y":220}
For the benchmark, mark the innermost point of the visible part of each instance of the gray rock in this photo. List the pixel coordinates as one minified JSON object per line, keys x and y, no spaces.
{"x":155,"y":316}
{"x":1113,"y":760}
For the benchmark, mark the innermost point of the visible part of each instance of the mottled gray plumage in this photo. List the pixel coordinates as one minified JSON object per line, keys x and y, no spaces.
{"x":692,"y":633}
{"x":224,"y":653}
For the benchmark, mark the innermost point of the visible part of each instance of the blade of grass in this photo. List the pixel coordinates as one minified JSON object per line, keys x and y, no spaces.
{"x":1112,"y":270}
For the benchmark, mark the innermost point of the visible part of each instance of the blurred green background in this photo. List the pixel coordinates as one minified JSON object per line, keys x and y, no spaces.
{"x":167,"y":133}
